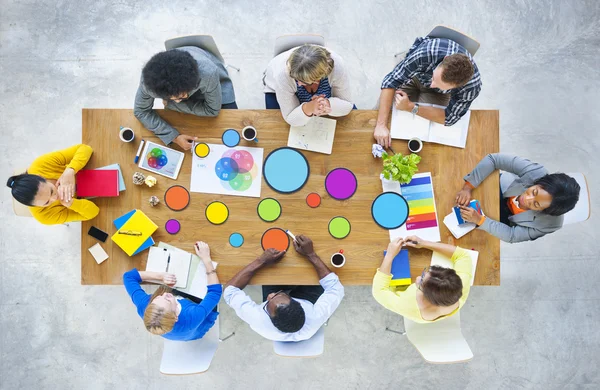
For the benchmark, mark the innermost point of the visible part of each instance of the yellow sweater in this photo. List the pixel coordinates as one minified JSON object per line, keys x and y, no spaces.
{"x":405,"y":302}
{"x":51,"y":166}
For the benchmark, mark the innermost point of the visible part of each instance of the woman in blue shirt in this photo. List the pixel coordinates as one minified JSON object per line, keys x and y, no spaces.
{"x":167,"y":316}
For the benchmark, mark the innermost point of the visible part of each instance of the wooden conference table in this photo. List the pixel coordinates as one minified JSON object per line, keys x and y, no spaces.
{"x":352,"y":149}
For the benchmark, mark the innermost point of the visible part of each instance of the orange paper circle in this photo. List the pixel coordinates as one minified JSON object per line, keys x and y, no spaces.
{"x":313,"y":200}
{"x":177,"y":198}
{"x":275,"y":238}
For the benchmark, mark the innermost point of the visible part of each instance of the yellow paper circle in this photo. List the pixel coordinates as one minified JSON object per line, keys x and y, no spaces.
{"x":217,"y":213}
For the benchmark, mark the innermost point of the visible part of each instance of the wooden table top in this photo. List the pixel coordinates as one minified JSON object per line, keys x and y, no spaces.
{"x":352,"y":149}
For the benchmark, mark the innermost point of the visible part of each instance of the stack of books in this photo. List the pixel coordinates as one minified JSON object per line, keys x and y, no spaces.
{"x":101,"y":182}
{"x":134,"y":232}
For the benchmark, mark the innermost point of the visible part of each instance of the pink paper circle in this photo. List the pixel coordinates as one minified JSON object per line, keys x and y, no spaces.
{"x":341,"y":183}
{"x":172,"y":226}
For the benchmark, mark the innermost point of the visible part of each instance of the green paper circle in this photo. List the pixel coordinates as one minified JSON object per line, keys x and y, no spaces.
{"x":339,"y":227}
{"x":269,"y":209}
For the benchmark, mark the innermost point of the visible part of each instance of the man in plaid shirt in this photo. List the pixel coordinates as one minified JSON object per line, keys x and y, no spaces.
{"x":437,"y":71}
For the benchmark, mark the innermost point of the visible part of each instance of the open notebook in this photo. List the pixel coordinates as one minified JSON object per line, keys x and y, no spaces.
{"x":443,"y":261}
{"x":405,"y":125}
{"x":172,"y":261}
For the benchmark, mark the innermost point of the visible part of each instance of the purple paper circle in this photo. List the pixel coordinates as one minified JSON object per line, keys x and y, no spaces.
{"x":341,"y":183}
{"x":172,"y":226}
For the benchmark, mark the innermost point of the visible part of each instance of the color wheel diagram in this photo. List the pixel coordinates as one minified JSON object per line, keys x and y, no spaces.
{"x":228,"y":171}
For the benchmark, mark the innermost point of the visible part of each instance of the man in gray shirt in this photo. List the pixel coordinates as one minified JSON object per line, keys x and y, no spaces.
{"x":189,"y":80}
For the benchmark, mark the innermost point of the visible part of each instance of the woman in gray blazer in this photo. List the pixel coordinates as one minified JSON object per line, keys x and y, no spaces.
{"x":532,"y":201}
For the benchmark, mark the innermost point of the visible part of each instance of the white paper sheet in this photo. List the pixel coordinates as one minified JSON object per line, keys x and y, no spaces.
{"x":443,"y":261}
{"x":317,"y":135}
{"x":457,"y":230}
{"x":455,"y":135}
{"x":240,"y":170}
{"x":405,"y":125}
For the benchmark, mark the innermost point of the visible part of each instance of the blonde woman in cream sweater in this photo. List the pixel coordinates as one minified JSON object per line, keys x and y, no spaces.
{"x":307,"y":81}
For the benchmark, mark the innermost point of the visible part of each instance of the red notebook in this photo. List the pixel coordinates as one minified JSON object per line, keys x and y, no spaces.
{"x":96,"y":182}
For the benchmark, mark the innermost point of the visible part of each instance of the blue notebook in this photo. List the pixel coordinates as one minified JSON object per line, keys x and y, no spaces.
{"x":473,"y":204}
{"x":400,"y":269}
{"x":119,"y":222}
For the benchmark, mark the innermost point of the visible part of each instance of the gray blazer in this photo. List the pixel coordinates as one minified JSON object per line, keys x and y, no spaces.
{"x":519,"y":175}
{"x":215,"y":88}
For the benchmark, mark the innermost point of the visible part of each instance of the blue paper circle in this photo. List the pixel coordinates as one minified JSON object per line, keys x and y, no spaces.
{"x":230,"y":138}
{"x":236,"y":240}
{"x":286,"y":170}
{"x":390,"y":210}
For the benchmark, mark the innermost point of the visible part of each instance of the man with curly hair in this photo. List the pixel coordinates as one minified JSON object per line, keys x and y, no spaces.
{"x":187,"y":79}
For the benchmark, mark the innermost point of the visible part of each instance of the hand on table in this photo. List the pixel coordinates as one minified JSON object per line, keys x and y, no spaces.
{"x":165,"y":102}
{"x":203,"y":251}
{"x":394,"y":247}
{"x":304,"y":245}
{"x":382,"y":135}
{"x":464,"y":196}
{"x":271,"y":256}
{"x":414,"y":242}
{"x":185,"y":141}
{"x":402,"y":101}
{"x":469,"y":214}
{"x":65,"y":185}
{"x":168,"y":279}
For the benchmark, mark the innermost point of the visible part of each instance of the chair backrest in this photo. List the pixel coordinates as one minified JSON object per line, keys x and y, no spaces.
{"x":439,"y":342}
{"x":307,"y":348}
{"x":462,"y":39}
{"x":287,"y":42}
{"x":20,"y":209}
{"x":582,"y":209}
{"x":190,"y":357}
{"x":205,"y":42}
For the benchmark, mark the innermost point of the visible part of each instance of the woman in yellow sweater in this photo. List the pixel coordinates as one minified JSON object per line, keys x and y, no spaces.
{"x":48,"y":187}
{"x":438,"y":293}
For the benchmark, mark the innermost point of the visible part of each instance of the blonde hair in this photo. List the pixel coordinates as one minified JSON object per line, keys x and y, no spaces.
{"x":310,"y":63}
{"x":157,"y":320}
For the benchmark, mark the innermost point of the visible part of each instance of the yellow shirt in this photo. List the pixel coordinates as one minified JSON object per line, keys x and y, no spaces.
{"x":51,"y":166}
{"x":405,"y":302}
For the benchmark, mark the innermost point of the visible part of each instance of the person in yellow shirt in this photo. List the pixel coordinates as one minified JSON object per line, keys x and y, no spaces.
{"x":48,"y":187}
{"x":438,"y":293}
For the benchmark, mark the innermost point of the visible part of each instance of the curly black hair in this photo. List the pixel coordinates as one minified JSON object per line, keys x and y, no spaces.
{"x":564,"y":190}
{"x":171,"y":73}
{"x":289,"y":318}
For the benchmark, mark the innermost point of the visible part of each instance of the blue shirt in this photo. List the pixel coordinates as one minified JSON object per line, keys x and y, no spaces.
{"x":194,"y":320}
{"x":420,"y":62}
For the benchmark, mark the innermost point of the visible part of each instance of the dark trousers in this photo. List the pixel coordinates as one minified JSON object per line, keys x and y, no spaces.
{"x":271,"y":102}
{"x":309,"y":293}
{"x":229,"y":106}
{"x":192,"y":298}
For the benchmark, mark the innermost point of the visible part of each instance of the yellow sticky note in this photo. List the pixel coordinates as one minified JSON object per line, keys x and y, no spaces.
{"x":138,"y":222}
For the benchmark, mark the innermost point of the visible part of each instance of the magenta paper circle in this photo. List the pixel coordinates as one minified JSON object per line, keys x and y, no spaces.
{"x":340,"y":183}
{"x":172,"y":226}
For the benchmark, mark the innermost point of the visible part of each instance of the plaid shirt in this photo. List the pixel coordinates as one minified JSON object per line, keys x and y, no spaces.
{"x":422,"y":58}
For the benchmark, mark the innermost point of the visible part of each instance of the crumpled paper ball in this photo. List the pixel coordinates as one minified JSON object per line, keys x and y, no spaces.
{"x":153,"y":200}
{"x":138,"y":178}
{"x":150,"y":181}
{"x":377,"y":150}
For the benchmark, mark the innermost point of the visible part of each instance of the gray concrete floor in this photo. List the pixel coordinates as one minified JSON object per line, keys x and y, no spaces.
{"x":539,"y":64}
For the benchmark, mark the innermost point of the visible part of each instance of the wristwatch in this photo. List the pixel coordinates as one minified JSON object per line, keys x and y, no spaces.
{"x":415,"y":109}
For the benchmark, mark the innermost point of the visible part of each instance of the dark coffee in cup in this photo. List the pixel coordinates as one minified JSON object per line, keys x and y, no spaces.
{"x":249,"y":133}
{"x":128,"y":135}
{"x":413,"y":145}
{"x":337,"y":259}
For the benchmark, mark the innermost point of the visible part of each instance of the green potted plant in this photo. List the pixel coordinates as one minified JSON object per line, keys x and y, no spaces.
{"x":399,"y":168}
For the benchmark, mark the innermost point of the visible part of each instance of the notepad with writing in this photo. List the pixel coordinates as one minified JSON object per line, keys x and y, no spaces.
{"x":405,"y":125}
{"x":171,"y":261}
{"x":443,"y":261}
{"x":138,"y":222}
{"x":95,"y":182}
{"x":400,"y":269}
{"x":317,"y":135}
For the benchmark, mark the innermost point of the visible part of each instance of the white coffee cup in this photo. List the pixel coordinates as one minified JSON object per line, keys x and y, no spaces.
{"x":412,"y":141}
{"x":338,"y":259}
{"x":252,"y":131}
{"x":124,"y":132}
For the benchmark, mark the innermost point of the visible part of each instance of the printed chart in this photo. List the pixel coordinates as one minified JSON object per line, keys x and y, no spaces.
{"x":228,"y":171}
